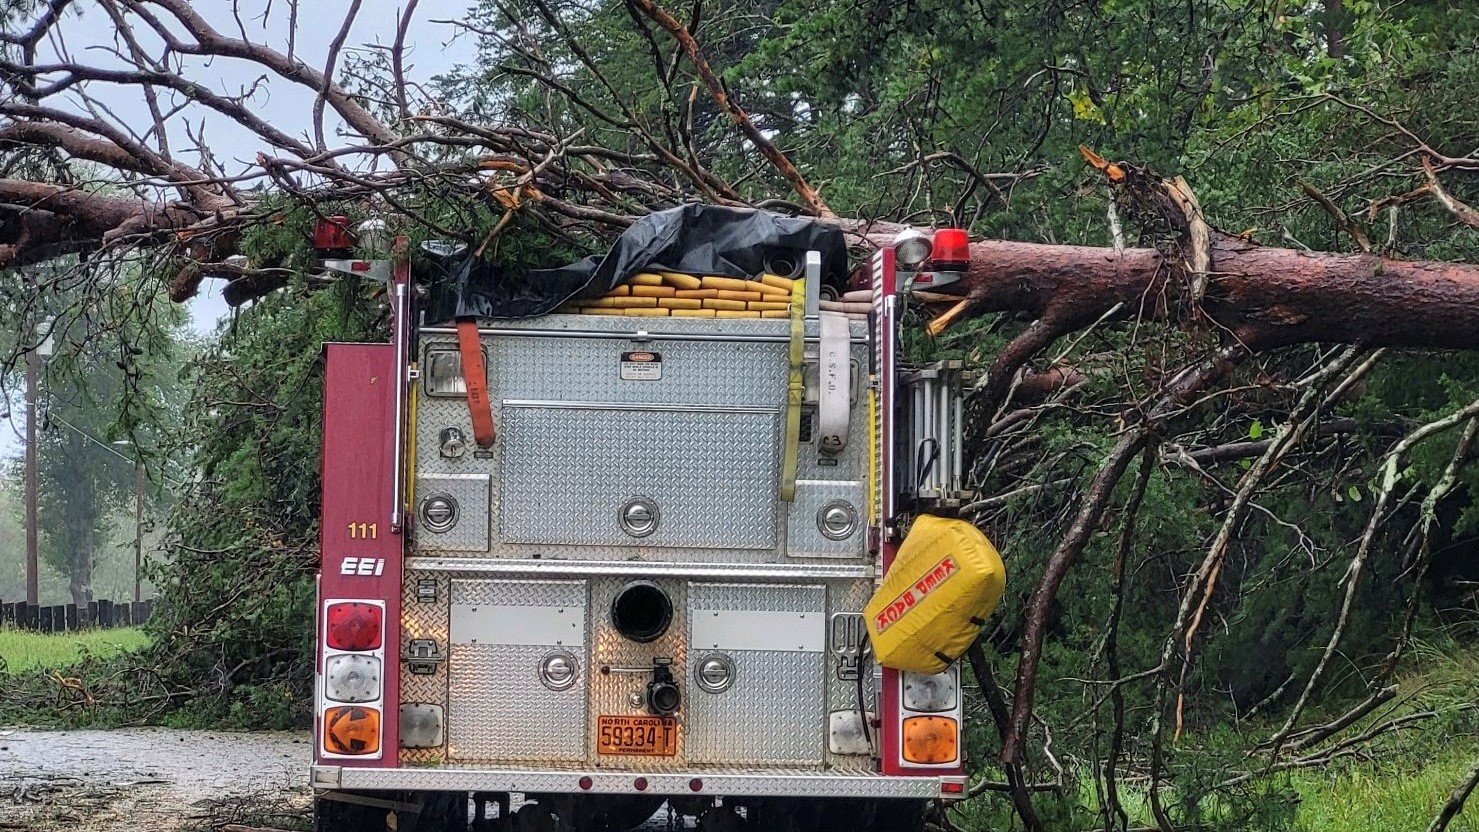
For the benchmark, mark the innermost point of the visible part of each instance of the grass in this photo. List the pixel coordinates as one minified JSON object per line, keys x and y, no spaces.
{"x":21,"y":650}
{"x":1385,"y":796}
{"x":1398,"y":782}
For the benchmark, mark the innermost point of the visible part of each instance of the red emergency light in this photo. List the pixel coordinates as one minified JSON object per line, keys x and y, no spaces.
{"x":332,"y":237}
{"x":951,"y":251}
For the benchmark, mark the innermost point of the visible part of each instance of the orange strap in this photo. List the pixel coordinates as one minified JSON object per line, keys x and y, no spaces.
{"x":475,"y":375}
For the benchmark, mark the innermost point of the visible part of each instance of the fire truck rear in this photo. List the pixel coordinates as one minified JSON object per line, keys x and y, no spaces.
{"x":579,"y":566}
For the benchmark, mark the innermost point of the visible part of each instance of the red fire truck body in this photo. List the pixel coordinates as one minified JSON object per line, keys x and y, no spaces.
{"x":648,"y":589}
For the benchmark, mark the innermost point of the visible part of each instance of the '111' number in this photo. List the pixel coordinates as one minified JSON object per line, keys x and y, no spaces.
{"x":363,"y":531}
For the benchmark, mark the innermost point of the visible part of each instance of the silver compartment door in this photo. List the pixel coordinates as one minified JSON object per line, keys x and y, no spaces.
{"x":498,"y":709}
{"x":775,"y":711}
{"x":570,"y":470}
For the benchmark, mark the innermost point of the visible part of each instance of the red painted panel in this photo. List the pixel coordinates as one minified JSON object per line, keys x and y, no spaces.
{"x":361,"y":556}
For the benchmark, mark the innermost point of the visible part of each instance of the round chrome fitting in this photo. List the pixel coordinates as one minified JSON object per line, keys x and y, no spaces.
{"x":714,"y":674}
{"x":837,"y":520}
{"x":639,"y":517}
{"x":453,"y":443}
{"x":439,"y":513}
{"x":558,"y":671}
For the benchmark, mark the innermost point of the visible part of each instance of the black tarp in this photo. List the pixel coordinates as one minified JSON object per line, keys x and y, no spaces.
{"x":693,"y":239}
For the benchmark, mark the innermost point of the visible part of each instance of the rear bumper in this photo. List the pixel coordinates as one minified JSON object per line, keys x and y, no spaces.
{"x":732,"y":783}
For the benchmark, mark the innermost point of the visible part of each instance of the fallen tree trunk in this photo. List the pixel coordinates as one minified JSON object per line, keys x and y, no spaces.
{"x":1259,"y":296}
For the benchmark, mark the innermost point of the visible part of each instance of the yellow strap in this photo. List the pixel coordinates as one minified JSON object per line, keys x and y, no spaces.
{"x":791,"y":453}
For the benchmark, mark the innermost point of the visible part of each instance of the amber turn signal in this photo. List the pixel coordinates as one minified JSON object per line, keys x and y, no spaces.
{"x":352,"y":730}
{"x":931,"y":740}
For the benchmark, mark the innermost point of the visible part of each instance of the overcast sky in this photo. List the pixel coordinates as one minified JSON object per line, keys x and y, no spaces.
{"x":432,"y":48}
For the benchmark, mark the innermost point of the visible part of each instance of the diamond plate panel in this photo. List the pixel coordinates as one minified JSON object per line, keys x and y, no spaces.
{"x":808,"y":598}
{"x":470,"y":491}
{"x":526,"y":593}
{"x":611,"y":693}
{"x":849,"y":596}
{"x":501,"y":711}
{"x":711,"y":474}
{"x":693,"y":372}
{"x":774,"y":713}
{"x":571,"y":346}
{"x":805,"y":540}
{"x":730,"y":781}
{"x":423,"y":620}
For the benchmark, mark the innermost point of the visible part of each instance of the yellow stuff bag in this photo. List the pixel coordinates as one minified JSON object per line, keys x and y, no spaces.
{"x":943,"y":583}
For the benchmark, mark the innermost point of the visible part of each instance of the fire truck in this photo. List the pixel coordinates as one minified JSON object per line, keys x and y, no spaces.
{"x":580,"y":566}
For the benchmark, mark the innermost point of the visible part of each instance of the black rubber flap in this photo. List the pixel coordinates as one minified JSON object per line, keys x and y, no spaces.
{"x":693,"y":239}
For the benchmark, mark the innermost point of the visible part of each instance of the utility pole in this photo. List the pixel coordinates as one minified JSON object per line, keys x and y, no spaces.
{"x":32,"y":588}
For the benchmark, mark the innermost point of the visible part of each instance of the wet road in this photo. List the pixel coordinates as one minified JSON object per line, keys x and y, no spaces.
{"x":142,"y":778}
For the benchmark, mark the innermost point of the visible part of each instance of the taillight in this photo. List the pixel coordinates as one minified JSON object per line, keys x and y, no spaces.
{"x":352,"y":730}
{"x":350,"y":677}
{"x":353,"y":626}
{"x":351,"y":683}
{"x":931,"y":740}
{"x":929,"y":717}
{"x":932,"y":693}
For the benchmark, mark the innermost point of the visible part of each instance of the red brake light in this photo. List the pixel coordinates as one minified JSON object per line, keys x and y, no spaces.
{"x":353,"y":625}
{"x":951,"y":249}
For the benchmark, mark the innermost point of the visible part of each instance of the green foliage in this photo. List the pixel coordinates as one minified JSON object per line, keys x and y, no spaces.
{"x":235,"y":603}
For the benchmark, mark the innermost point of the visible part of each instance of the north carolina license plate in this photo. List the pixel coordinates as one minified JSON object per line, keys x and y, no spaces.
{"x":650,"y":736}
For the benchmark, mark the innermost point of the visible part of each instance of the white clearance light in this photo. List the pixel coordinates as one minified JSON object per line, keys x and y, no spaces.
{"x":421,"y":725}
{"x":930,"y":693}
{"x":352,"y":678}
{"x":845,"y":733}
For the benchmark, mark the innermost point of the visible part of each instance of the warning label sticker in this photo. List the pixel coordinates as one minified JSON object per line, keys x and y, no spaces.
{"x":641,"y":366}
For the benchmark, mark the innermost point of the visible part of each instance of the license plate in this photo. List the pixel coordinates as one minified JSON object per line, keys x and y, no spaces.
{"x":647,"y":736}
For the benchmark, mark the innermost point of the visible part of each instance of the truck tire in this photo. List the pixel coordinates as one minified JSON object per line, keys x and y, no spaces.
{"x":876,"y":815}
{"x":440,"y":812}
{"x":337,"y":816}
{"x":839,"y":815}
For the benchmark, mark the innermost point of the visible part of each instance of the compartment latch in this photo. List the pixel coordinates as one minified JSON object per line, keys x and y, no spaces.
{"x":422,"y":656}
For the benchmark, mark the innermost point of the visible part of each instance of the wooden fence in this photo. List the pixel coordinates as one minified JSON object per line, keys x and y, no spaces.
{"x":68,"y":617}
